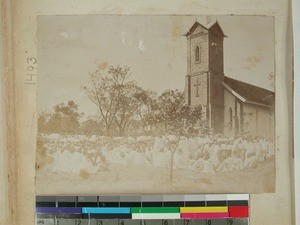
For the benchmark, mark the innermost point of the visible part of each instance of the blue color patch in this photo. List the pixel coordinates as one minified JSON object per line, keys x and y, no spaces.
{"x":64,"y":210}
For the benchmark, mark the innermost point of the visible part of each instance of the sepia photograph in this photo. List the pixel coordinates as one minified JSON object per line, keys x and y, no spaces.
{"x":151,"y":104}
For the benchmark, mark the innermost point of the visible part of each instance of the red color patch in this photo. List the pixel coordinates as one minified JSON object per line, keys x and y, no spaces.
{"x":238,"y":211}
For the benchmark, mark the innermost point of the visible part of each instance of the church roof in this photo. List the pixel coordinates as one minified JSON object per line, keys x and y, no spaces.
{"x":249,"y":93}
{"x":207,"y":27}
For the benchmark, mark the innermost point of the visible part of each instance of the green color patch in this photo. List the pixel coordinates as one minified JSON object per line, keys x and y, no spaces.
{"x":155,"y":210}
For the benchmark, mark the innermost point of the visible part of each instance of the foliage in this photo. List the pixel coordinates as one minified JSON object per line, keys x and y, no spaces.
{"x":178,"y":118}
{"x":91,"y":126}
{"x":146,"y":111}
{"x":126,"y":109}
{"x":169,"y":110}
{"x":64,"y":119}
{"x":116,"y":97}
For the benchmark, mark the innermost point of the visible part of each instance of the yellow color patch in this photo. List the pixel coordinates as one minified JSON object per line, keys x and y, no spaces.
{"x":208,"y":209}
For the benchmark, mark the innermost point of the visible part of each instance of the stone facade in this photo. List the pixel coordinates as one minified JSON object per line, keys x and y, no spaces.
{"x":199,"y":38}
{"x":205,"y":72}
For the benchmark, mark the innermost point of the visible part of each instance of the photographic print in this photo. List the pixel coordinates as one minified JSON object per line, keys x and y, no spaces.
{"x":155,"y":104}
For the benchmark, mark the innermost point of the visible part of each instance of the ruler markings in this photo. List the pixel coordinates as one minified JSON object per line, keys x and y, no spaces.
{"x":141,"y":222}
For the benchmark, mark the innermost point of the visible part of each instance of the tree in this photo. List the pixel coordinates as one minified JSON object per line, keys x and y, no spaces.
{"x":169,"y":110}
{"x":65,"y":118}
{"x":178,"y":119}
{"x":116,"y":97}
{"x":101,"y":92}
{"x":130,"y":99}
{"x":91,"y":126}
{"x":146,"y":111}
{"x":192,"y":118}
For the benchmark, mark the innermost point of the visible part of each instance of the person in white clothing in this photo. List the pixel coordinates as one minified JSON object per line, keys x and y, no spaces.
{"x":250,"y":154}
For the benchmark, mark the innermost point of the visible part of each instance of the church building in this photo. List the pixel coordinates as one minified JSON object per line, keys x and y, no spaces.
{"x":231,"y":107}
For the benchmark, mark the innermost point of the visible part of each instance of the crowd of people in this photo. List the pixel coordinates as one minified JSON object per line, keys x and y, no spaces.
{"x":227,"y":154}
{"x":203,"y":154}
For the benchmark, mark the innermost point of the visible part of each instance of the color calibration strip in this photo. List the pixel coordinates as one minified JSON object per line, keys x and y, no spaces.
{"x":106,"y":210}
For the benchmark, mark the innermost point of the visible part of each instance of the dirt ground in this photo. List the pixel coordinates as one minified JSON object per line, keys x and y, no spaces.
{"x":143,"y":180}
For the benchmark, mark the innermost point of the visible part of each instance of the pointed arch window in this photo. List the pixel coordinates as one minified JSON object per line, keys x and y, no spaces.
{"x":197,"y":54}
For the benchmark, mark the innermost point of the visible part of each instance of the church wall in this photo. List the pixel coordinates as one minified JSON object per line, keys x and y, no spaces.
{"x":186,"y":91}
{"x":216,"y":62}
{"x":257,"y":120}
{"x":188,"y":56}
{"x":201,"y":97}
{"x":250,"y":119}
{"x":195,"y":75}
{"x":217,"y":105}
{"x":265,"y":122}
{"x":217,"y":118}
{"x":216,"y":77}
{"x":229,"y":102}
{"x":200,"y":39}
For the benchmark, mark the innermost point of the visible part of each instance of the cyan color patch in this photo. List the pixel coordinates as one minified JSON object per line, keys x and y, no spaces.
{"x":106,"y":210}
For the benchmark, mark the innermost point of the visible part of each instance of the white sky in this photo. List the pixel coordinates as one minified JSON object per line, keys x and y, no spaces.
{"x":69,"y":47}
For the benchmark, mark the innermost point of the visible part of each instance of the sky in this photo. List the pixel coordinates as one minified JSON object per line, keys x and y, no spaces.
{"x":69,"y":47}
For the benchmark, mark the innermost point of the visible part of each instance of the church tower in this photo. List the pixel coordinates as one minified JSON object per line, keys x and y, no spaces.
{"x":205,"y":72}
